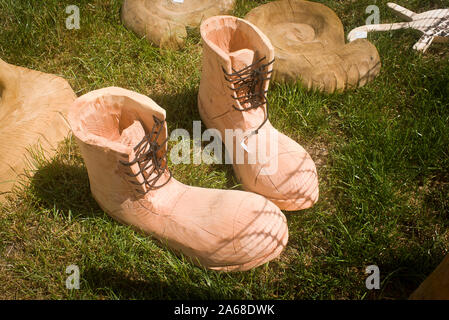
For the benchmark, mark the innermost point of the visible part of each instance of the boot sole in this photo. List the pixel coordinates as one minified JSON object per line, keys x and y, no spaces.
{"x":292,"y":205}
{"x":233,"y":268}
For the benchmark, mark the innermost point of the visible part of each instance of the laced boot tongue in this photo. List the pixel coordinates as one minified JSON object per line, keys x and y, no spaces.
{"x":132,"y":135}
{"x":247,"y":85}
{"x":149,"y":166}
{"x":241,"y":58}
{"x":248,"y":79}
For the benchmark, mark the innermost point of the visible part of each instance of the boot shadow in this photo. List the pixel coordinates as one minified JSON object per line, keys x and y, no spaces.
{"x":62,"y":183}
{"x":181,"y":108}
{"x":104,"y":281}
{"x":405,"y":274}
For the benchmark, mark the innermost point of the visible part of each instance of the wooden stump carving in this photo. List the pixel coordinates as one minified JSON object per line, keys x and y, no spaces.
{"x":164,"y":22}
{"x":309,"y":43}
{"x":32,"y":110}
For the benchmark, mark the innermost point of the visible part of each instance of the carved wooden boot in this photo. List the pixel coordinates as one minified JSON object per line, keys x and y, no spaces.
{"x":123,"y":140}
{"x":237,"y":63}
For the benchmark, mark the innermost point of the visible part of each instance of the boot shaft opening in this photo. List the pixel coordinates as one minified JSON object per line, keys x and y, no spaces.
{"x":230,"y":34}
{"x":100,"y":117}
{"x":235,"y":53}
{"x":109,"y":125}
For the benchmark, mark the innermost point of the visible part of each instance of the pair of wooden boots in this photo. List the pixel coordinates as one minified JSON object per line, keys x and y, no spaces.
{"x":123,"y":139}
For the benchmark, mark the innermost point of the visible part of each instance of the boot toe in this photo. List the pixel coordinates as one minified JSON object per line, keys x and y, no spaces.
{"x":226,"y":230}
{"x":260,"y":232}
{"x":294,"y":186}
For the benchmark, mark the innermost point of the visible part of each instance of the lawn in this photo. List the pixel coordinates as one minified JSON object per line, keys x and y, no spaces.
{"x":382,"y":154}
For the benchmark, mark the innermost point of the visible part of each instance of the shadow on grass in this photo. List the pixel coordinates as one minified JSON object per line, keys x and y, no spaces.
{"x":109,"y":282}
{"x":63,"y":185}
{"x":402,"y":275}
{"x":181,"y":108}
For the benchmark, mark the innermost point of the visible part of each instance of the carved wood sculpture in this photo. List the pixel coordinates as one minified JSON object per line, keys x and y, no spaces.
{"x":32,"y":110}
{"x":436,"y":286}
{"x":123,"y":137}
{"x":237,"y":65}
{"x":309,"y":43}
{"x":434,"y":25}
{"x":164,"y":22}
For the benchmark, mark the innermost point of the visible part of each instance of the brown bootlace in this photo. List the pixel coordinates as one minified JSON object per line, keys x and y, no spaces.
{"x":250,"y":80}
{"x":146,"y":157}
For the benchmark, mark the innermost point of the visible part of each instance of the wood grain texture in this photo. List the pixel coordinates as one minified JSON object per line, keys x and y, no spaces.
{"x":434,"y":25}
{"x":287,"y":176}
{"x":309,"y":44}
{"x":224,"y":230}
{"x":164,"y":22}
{"x":33,"y":107}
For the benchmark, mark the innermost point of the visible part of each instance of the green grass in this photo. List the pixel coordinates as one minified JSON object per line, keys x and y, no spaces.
{"x":382,"y":154}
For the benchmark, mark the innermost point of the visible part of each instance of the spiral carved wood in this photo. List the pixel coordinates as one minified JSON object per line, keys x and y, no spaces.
{"x":309,"y":44}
